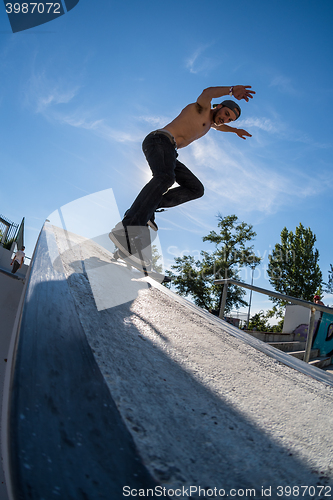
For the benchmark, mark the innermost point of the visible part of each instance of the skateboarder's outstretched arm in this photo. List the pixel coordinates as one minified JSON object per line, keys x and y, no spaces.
{"x":226,"y":128}
{"x":238,"y":91}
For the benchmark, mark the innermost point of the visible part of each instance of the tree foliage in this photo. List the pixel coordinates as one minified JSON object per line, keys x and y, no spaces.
{"x":293,"y":267}
{"x":8,"y":244}
{"x":329,"y":285}
{"x":195,"y":277}
{"x":158,"y":267}
{"x":260,"y":323}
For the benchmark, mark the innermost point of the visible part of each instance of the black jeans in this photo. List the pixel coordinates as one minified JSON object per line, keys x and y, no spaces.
{"x":166,"y":169}
{"x":16,"y":266}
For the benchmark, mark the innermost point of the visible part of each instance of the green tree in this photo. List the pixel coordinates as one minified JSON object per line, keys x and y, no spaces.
{"x":259,"y":322}
{"x":278,"y":312}
{"x":293,"y":267}
{"x":155,"y":259}
{"x":329,"y":285}
{"x":8,"y":244}
{"x":195,"y":277}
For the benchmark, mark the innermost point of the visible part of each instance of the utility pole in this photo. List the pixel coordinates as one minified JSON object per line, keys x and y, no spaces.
{"x":248,"y":314}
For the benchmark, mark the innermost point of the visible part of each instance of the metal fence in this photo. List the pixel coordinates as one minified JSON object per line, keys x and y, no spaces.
{"x":8,"y":230}
{"x":310,"y":305}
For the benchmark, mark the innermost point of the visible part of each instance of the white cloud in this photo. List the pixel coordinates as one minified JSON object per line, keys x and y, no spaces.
{"x":158,"y":121}
{"x":277,"y":126}
{"x":265,"y":124}
{"x":99,"y":127}
{"x":43,"y":93}
{"x":197,"y":63}
{"x":284,"y":84}
{"x":46,"y":96}
{"x":53,"y":99}
{"x":239,"y":182}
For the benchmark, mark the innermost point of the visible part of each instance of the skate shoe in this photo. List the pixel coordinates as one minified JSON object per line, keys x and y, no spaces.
{"x":151,"y":223}
{"x":132,"y":242}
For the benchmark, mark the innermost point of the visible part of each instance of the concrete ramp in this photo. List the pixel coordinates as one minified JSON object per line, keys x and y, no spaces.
{"x":120,"y":386}
{"x":11,"y":289}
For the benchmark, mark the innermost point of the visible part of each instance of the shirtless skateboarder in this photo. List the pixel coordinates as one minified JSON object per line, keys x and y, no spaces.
{"x":160,"y":148}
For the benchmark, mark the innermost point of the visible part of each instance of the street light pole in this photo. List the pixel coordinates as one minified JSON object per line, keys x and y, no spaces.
{"x":248,"y":314}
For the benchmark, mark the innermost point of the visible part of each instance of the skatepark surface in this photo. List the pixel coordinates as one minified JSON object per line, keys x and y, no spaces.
{"x":11,"y":289}
{"x":118,"y":382}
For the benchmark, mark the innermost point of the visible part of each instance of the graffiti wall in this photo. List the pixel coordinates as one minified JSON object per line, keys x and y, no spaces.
{"x":296,"y":321}
{"x":323,"y":337}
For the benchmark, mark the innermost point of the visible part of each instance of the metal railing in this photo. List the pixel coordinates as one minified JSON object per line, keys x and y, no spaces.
{"x":310,"y":305}
{"x":8,"y":229}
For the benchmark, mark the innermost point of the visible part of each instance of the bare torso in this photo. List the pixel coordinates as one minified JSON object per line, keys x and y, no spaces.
{"x":192,"y":123}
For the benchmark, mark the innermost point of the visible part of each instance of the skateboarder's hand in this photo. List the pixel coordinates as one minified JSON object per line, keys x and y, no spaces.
{"x":243,"y":92}
{"x":241,"y":133}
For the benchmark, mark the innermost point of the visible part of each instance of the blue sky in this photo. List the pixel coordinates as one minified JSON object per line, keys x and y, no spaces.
{"x":79,"y":94}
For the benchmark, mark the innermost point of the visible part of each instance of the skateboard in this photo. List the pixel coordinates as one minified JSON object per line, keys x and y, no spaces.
{"x":146,"y":269}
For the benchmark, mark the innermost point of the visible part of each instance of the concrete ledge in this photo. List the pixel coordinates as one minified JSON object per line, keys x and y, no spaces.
{"x":11,"y":290}
{"x":207,"y":404}
{"x":288,"y":346}
{"x":126,"y":363}
{"x":258,"y":344}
